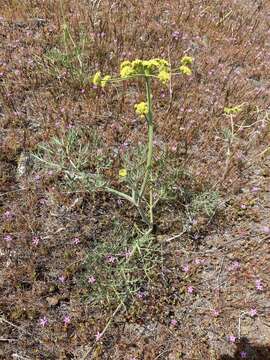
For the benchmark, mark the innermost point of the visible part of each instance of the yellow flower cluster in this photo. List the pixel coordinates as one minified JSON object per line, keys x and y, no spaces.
{"x":184,"y":68}
{"x":164,"y":76}
{"x":232,"y":110}
{"x":141,"y":109}
{"x":98,"y":80}
{"x":186,"y":60}
{"x":123,"y":172}
{"x":159,"y":67}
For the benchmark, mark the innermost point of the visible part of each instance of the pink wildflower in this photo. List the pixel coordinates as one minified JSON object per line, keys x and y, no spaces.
{"x":98,"y":336}
{"x":43,"y":321}
{"x":266,"y":229}
{"x":111,"y":259}
{"x":190,"y":289}
{"x":67,"y":320}
{"x":91,"y":279}
{"x":215,"y":313}
{"x":62,"y":279}
{"x":255,"y":189}
{"x":8,"y":215}
{"x":141,"y":294}
{"x":173,"y":322}
{"x":76,"y":241}
{"x":35,"y":240}
{"x":232,"y":339}
{"x":185,"y":268}
{"x":259,"y":285}
{"x":176,"y":35}
{"x":253,"y":312}
{"x":174,"y":148}
{"x":235,"y":265}
{"x":8,"y":238}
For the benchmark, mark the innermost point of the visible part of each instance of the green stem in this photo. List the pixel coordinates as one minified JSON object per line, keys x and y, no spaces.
{"x":148,"y":171}
{"x":120,"y":194}
{"x":130,"y":199}
{"x":151,"y":202}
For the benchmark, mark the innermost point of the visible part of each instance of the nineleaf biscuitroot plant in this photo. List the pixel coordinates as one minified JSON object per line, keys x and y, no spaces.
{"x":78,"y":157}
{"x":148,"y":70}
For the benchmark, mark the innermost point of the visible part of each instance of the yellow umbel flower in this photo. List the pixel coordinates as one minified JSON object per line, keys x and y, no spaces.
{"x":232,"y":110}
{"x":164,"y":76}
{"x":126,"y":69}
{"x":123,"y":172}
{"x":185,"y":70}
{"x":105,"y":80}
{"x":96,"y":79}
{"x":186,"y":60}
{"x":141,"y":109}
{"x":143,"y":67}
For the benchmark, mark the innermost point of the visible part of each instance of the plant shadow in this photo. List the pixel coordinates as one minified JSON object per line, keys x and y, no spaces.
{"x":245,"y":350}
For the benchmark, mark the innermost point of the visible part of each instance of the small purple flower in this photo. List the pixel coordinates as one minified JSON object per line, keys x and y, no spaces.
{"x":216,"y":313}
{"x":67,"y":320}
{"x":8,"y":238}
{"x":35,"y":240}
{"x":255,"y":189}
{"x":174,"y":147}
{"x":259,"y":285}
{"x":141,"y":294}
{"x":76,"y":241}
{"x":43,"y":321}
{"x":111,"y":259}
{"x":173,"y":322}
{"x":243,"y":206}
{"x":266,"y":229}
{"x":253,"y":312}
{"x":243,"y":354}
{"x":190,"y":289}
{"x":8,"y":215}
{"x":176,"y":35}
{"x":232,"y":339}
{"x":185,"y":268}
{"x":62,"y":279}
{"x":91,"y":279}
{"x":235,"y":265}
{"x":82,"y":91}
{"x":98,"y":336}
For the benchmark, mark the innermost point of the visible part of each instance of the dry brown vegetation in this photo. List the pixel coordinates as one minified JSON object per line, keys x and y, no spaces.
{"x":49,"y":50}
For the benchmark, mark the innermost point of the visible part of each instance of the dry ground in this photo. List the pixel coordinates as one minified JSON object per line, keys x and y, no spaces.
{"x":224,"y":257}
